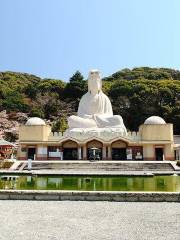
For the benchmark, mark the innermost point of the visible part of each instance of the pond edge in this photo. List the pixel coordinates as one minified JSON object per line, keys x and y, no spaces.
{"x":113,"y":196}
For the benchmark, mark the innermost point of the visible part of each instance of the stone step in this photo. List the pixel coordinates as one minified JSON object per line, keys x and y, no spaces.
{"x":105,"y":166}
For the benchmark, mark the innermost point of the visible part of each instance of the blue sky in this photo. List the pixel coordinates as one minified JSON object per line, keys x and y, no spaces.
{"x":54,"y":38}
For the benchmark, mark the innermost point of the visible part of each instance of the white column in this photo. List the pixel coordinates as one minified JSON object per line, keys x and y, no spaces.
{"x":79,"y":153}
{"x":29,"y":164}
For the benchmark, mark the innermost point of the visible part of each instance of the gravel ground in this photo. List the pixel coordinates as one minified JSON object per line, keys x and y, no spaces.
{"x":66,"y":220}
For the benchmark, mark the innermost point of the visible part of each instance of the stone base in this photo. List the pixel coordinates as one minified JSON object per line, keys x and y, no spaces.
{"x":103,"y":133}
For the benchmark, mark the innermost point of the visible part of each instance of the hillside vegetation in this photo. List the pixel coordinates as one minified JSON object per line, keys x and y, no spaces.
{"x":135,"y":94}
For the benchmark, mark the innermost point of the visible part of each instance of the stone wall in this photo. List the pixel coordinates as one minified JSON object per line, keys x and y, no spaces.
{"x":89,"y":196}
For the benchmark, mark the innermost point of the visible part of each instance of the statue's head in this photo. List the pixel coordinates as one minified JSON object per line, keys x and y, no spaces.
{"x":94,"y":81}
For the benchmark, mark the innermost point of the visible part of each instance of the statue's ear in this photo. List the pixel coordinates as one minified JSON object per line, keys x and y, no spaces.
{"x":90,"y":91}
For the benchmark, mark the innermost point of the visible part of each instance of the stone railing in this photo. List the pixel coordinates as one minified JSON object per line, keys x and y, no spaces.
{"x":55,"y":136}
{"x":135,"y":136}
{"x":106,"y":135}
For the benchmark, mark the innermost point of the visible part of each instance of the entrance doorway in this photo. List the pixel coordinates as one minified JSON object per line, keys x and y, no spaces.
{"x":159,"y":154}
{"x":119,"y":150}
{"x":31,"y":153}
{"x":70,"y":154}
{"x":94,"y":153}
{"x":70,"y":150}
{"x":119,"y":154}
{"x":94,"y":150}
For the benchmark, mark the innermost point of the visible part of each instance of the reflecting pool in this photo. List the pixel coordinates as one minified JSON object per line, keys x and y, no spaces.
{"x":164,"y":183}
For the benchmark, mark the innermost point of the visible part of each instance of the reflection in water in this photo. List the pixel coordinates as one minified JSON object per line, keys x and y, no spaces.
{"x":93,"y":183}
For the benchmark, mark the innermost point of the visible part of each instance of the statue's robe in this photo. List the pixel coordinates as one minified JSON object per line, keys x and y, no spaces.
{"x":95,"y":111}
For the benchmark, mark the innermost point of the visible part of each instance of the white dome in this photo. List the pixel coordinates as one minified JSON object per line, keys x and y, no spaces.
{"x":35,"y":121}
{"x":154,"y":120}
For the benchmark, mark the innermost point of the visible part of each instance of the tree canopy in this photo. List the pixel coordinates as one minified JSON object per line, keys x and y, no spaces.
{"x":135,"y":94}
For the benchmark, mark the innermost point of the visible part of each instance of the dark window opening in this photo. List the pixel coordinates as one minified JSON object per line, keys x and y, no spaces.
{"x":119,"y":154}
{"x":159,"y":154}
{"x":70,"y":154}
{"x":31,"y":153}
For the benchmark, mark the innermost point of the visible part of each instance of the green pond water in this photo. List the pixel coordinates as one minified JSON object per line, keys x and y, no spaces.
{"x":92,"y":183}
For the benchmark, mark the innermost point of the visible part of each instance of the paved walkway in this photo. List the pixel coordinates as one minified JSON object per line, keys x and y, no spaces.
{"x":26,"y":220}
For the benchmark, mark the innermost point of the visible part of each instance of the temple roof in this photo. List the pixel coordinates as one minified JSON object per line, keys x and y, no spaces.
{"x":35,"y":121}
{"x":154,"y":120}
{"x":5,"y":143}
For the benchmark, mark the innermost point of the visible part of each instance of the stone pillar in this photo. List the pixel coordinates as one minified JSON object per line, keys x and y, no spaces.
{"x":104,"y":153}
{"x":79,"y":152}
{"x":61,"y":152}
{"x":109,"y":153}
{"x":84,"y":152}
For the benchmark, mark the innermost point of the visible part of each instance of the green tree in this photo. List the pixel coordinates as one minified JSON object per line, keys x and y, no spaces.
{"x":76,"y":86}
{"x":77,"y":77}
{"x":60,"y":125}
{"x":14,"y":101}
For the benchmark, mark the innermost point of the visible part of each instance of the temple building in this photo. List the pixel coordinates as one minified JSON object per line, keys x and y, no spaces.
{"x":153,"y":141}
{"x":96,"y":134}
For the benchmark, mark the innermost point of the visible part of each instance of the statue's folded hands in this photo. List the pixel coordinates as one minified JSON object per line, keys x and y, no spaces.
{"x":79,"y":122}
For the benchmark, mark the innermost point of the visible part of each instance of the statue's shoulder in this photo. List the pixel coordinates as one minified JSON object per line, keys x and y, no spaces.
{"x":84,"y":97}
{"x":105,"y":96}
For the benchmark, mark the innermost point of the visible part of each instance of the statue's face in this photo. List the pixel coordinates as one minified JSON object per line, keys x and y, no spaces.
{"x":94,"y":81}
{"x":94,"y":74}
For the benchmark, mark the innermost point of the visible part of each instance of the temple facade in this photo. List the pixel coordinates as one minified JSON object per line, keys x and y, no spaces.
{"x":154,"y":141}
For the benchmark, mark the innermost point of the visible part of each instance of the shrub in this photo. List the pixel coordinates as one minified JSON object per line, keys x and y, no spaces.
{"x":6,"y":164}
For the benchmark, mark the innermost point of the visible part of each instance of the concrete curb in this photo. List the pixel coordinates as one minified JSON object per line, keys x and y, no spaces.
{"x":89,"y":196}
{"x":86,"y":173}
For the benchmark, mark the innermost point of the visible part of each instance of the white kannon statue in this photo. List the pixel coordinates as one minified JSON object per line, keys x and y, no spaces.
{"x":95,"y":110}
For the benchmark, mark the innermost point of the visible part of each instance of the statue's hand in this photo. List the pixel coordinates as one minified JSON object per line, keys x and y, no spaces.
{"x":94,"y":116}
{"x":87,"y":116}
